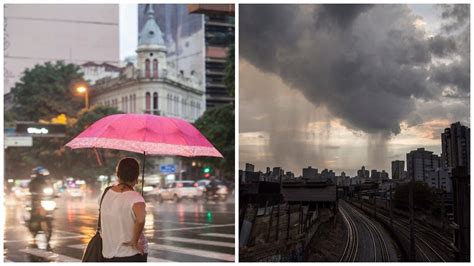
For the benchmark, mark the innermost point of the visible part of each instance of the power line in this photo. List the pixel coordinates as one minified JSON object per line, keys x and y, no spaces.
{"x":65,"y":20}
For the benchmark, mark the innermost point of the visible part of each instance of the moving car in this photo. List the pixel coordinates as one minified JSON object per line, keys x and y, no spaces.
{"x":179,"y":190}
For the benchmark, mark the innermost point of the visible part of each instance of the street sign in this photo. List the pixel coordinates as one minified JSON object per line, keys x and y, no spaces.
{"x":18,"y":141}
{"x":168,"y":168}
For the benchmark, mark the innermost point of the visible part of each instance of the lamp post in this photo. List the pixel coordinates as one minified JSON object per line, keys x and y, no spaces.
{"x":83,"y":89}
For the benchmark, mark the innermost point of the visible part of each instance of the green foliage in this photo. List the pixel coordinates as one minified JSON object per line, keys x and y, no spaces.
{"x":217,"y":125}
{"x":229,"y":78}
{"x":46,"y":91}
{"x":423,"y":196}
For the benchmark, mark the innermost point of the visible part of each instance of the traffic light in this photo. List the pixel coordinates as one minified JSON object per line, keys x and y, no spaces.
{"x":206,"y":169}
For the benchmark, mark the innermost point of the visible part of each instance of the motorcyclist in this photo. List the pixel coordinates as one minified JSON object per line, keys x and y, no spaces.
{"x":40,"y":186}
{"x":40,"y":180}
{"x":213,"y":186}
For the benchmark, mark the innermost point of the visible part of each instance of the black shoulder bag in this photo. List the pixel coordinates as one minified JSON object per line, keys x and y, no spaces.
{"x":93,"y":252}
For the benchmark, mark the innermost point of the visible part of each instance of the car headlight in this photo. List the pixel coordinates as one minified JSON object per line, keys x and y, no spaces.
{"x":48,"y":191}
{"x":48,"y":205}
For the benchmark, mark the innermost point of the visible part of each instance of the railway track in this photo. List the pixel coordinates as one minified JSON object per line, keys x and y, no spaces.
{"x":430,"y":246}
{"x":350,"y":251}
{"x":379,"y":245}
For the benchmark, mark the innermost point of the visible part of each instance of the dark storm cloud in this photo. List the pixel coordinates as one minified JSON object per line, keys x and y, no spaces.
{"x":458,"y":14}
{"x":338,"y":16}
{"x":442,"y":46}
{"x":367,"y":64}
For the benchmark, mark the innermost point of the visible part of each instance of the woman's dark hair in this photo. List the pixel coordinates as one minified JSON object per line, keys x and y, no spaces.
{"x":128,"y":169}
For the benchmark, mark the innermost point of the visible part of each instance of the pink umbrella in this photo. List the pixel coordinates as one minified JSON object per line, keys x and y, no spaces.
{"x":146,"y":134}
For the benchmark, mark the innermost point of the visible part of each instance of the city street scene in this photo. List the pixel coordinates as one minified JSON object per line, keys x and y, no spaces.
{"x":354,"y":133}
{"x":101,"y":82}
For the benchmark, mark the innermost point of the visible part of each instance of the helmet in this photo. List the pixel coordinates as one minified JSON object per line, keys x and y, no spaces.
{"x":39,"y":171}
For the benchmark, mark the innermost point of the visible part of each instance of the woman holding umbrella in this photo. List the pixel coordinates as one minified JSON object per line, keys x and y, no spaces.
{"x":123,"y":217}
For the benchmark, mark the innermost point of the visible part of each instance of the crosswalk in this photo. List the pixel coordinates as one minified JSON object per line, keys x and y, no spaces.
{"x":209,"y":247}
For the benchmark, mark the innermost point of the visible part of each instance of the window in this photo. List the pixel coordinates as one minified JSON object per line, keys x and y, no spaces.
{"x":169,"y":103}
{"x":134,"y":103}
{"x":126,"y":104}
{"x":198,"y":111}
{"x":147,"y":103}
{"x":176,"y":105}
{"x":147,"y":68}
{"x":155,"y":68}
{"x":155,"y":101}
{"x":193,"y":115}
{"x":183,"y":108}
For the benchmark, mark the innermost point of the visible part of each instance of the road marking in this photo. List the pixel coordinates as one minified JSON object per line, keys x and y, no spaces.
{"x":150,"y":259}
{"x":174,"y":222}
{"x":53,"y":239}
{"x":190,"y":228}
{"x":199,"y":241}
{"x":50,"y":255}
{"x":219,"y":235}
{"x":194,"y":252}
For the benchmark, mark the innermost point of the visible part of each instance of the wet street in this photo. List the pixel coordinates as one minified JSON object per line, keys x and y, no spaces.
{"x":183,"y":232}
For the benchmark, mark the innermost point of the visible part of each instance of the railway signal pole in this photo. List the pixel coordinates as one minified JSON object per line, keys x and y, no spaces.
{"x":412,"y":219}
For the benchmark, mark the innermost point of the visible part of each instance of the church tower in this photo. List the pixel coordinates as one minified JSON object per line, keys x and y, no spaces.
{"x":151,"y":52}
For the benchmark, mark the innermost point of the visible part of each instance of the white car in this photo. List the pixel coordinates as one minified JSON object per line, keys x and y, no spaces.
{"x":179,"y":190}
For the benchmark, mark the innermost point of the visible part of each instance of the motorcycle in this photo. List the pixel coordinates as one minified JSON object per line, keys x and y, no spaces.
{"x":216,"y":193}
{"x":39,"y":213}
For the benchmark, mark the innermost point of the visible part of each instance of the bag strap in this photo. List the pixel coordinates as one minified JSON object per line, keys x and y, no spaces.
{"x":100,"y":205}
{"x":127,"y":185}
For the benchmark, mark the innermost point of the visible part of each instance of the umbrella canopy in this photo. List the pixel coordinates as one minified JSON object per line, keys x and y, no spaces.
{"x":145,"y":134}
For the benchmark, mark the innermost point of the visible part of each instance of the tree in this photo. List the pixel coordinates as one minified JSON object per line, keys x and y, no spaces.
{"x":423,"y":196}
{"x":217,"y":125}
{"x":46,"y":91}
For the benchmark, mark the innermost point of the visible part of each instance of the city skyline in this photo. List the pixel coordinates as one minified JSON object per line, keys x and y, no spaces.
{"x":389,"y":88}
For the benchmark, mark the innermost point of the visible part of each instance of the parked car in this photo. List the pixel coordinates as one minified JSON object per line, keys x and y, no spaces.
{"x":179,"y":190}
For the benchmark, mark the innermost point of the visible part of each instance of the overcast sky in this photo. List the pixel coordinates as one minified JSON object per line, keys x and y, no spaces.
{"x":128,"y":29}
{"x":341,"y":86}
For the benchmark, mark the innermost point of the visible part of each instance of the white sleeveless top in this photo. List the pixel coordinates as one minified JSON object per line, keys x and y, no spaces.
{"x":117,"y":222}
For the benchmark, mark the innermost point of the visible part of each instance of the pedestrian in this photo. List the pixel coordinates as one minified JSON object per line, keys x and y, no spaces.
{"x":123,"y":217}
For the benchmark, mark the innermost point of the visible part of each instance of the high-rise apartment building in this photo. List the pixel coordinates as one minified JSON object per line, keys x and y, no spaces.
{"x":420,"y":163}
{"x":310,"y":173}
{"x":455,"y":148}
{"x":398,"y":169}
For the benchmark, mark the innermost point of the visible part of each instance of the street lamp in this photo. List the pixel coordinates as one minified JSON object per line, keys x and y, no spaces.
{"x":83,"y":89}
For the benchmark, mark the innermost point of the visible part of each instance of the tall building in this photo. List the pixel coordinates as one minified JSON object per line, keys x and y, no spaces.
{"x":310,"y":173}
{"x":398,"y":169}
{"x":362,"y":173}
{"x":440,"y":179}
{"x":198,"y":38}
{"x":420,"y":163}
{"x":75,"y":33}
{"x":456,"y":150}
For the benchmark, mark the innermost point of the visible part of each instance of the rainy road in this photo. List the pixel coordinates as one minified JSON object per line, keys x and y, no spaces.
{"x":182,"y":232}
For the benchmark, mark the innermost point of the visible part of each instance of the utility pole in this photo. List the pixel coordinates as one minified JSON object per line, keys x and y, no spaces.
{"x":375,"y":202}
{"x":390,"y":207}
{"x":412,"y":220}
